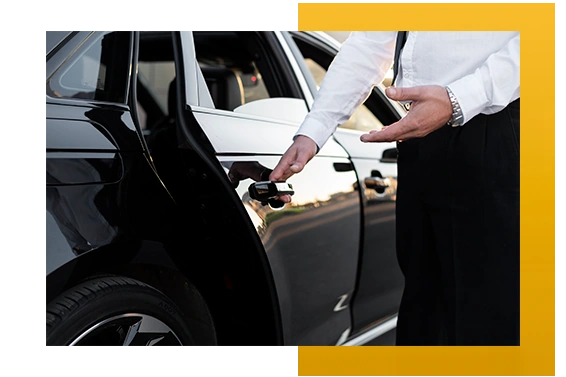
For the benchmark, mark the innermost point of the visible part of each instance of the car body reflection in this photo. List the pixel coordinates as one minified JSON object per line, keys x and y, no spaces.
{"x":320,"y":226}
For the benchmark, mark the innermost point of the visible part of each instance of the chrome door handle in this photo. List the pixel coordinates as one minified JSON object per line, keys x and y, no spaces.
{"x":376,"y":182}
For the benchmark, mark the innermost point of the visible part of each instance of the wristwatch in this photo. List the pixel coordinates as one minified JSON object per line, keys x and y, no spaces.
{"x":457,"y":115}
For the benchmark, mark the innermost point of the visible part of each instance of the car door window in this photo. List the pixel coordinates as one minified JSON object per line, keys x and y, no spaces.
{"x":98,"y":70}
{"x":156,"y":76}
{"x":239,"y":68}
{"x":53,"y":38}
{"x":317,"y":59}
{"x":362,"y":119}
{"x":155,"y":80}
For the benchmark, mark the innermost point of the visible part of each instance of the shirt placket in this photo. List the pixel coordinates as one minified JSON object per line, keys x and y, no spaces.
{"x":407,"y":67}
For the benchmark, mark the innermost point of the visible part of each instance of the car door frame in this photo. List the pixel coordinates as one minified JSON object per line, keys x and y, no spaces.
{"x":197,"y":97}
{"x":394,"y":111}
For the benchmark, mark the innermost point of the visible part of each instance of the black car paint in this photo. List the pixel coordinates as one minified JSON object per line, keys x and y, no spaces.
{"x":110,"y":209}
{"x":380,"y":282}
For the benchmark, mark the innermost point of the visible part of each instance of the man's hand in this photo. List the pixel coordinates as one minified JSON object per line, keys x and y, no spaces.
{"x":241,"y":170}
{"x":293,"y":161}
{"x":430,"y":110}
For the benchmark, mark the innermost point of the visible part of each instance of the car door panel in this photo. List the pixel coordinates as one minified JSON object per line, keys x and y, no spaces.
{"x":380,"y":281}
{"x":236,"y":133}
{"x":312,"y":247}
{"x":312,"y":243}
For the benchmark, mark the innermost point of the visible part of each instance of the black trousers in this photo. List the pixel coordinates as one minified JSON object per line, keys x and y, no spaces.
{"x":458,"y":233}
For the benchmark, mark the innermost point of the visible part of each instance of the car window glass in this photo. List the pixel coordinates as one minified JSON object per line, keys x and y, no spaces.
{"x":317,"y":59}
{"x":53,"y":38}
{"x":237,"y":68}
{"x":156,"y":80}
{"x":157,"y":76}
{"x":98,"y":70}
{"x":362,"y":119}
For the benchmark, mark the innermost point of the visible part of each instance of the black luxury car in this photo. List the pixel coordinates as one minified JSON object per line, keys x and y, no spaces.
{"x":155,"y":234}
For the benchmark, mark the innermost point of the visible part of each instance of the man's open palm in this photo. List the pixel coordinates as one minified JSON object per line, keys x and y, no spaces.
{"x":430,"y":110}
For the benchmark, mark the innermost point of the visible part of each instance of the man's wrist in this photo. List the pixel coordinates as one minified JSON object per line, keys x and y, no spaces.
{"x":309,"y":138}
{"x":457,"y":118}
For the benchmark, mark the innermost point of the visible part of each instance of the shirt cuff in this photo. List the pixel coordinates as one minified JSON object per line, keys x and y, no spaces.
{"x":314,"y":130}
{"x":469,"y":92}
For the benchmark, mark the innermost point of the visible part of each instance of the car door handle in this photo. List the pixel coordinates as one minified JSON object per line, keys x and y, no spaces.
{"x":376,"y":182}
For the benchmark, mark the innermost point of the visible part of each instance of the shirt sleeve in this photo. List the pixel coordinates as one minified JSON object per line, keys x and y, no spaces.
{"x":363,"y":61}
{"x":492,"y":86}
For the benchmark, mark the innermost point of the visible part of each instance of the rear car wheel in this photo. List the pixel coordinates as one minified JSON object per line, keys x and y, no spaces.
{"x":115,"y":311}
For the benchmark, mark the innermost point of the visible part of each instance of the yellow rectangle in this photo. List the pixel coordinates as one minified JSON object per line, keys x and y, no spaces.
{"x":535,"y":355}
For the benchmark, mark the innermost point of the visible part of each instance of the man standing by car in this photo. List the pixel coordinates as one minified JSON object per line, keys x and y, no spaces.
{"x":458,"y":173}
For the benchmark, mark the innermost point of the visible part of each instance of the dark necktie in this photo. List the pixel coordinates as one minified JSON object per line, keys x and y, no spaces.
{"x":401,"y":39}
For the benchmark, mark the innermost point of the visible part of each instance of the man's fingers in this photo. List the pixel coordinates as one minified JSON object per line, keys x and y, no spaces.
{"x":397,"y":131}
{"x":302,"y":159}
{"x":292,"y":162}
{"x":284,"y":198}
{"x":280,"y":175}
{"x":404,"y":94}
{"x":295,"y":159}
{"x":281,"y":171}
{"x":297,"y":167}
{"x":285,"y":172}
{"x":430,"y":110}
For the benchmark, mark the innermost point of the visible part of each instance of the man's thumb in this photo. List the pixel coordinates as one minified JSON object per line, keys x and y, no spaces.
{"x":297,"y":167}
{"x":275,"y":176}
{"x":393,"y":93}
{"x":403,"y":94}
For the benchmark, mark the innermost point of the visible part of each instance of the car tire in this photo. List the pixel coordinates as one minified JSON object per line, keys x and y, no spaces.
{"x":115,"y":311}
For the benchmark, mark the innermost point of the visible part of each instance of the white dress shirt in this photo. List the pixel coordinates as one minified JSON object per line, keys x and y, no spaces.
{"x":481,"y":69}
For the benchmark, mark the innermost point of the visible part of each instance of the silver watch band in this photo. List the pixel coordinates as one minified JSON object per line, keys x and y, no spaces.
{"x":457,"y":115}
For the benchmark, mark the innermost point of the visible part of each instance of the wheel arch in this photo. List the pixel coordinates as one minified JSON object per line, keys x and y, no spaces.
{"x":191,"y":277}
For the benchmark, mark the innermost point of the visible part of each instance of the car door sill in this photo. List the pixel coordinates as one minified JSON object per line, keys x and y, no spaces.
{"x":372,"y":333}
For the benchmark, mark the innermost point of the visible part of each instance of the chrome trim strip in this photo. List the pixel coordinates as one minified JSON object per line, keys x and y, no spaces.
{"x":190,"y":68}
{"x":323,"y":37}
{"x":298,"y":73}
{"x":375,"y":332}
{"x":343,"y":337}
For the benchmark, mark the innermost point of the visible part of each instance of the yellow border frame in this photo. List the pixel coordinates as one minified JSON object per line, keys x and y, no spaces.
{"x":535,"y":356}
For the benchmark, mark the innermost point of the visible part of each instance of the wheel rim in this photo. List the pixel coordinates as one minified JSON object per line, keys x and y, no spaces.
{"x":130,"y":329}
